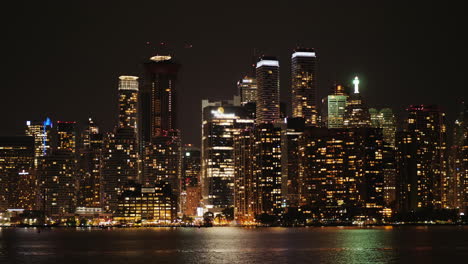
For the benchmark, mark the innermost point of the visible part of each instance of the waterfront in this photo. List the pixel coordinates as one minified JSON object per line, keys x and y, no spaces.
{"x":407,"y":244}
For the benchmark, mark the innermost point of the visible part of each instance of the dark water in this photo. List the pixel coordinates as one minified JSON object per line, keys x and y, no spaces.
{"x":236,"y":245}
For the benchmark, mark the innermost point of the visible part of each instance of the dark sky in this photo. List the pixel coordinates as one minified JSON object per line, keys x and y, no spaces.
{"x":63,"y":58}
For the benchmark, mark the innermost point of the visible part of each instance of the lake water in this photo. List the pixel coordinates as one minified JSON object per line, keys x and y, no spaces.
{"x":438,"y":244}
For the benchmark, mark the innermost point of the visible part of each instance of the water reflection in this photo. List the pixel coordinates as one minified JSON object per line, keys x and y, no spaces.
{"x":235,"y":245}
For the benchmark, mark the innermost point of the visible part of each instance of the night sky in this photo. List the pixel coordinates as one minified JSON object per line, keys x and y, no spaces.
{"x":62,"y":58}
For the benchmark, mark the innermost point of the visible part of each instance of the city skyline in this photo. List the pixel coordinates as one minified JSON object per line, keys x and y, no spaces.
{"x":364,"y":40}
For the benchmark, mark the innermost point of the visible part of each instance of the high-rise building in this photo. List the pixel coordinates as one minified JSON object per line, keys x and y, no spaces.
{"x":128,"y":102}
{"x":158,"y":97}
{"x":304,"y":85}
{"x":422,"y":160}
{"x":244,"y":182}
{"x":41,"y":131}
{"x":268,"y":90}
{"x":458,"y":162}
{"x":384,"y":119}
{"x":341,"y":174}
{"x":18,"y":183}
{"x":356,"y":112}
{"x":222,"y":121}
{"x":336,"y":105}
{"x":247,"y":90}
{"x":190,"y":180}
{"x":89,"y":162}
{"x":66,"y":132}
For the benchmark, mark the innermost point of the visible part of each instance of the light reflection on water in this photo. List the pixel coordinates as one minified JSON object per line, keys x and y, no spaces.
{"x":236,"y":245}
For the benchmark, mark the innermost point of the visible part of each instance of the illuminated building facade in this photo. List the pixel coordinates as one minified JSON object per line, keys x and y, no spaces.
{"x":90,"y":160}
{"x":128,"y":102}
{"x":336,"y":105}
{"x":244,"y":182}
{"x":304,"y":85}
{"x":422,"y":160}
{"x":384,"y":119}
{"x":247,"y":90}
{"x":268,"y":97}
{"x":148,"y":204}
{"x":190,"y":180}
{"x":66,"y":133}
{"x":41,"y":131}
{"x":341,"y":174}
{"x":17,"y":178}
{"x":221,"y":123}
{"x":356,"y":112}
{"x":158,"y":97}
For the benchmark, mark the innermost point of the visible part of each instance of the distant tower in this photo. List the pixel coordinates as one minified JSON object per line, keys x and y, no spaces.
{"x":128,"y":102}
{"x":304,"y":85}
{"x":66,"y":131}
{"x":336,"y":105}
{"x":268,"y":97}
{"x":247,"y":90}
{"x":41,"y":131}
{"x":356,"y":112}
{"x":159,"y":97}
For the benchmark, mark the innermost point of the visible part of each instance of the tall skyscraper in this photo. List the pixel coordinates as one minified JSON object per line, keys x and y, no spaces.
{"x":66,"y":132}
{"x":190,"y":180}
{"x":356,"y":112}
{"x":422,"y":160}
{"x":304,"y":85}
{"x":247,"y":90}
{"x":222,"y":121}
{"x":336,"y":105}
{"x":458,"y":162}
{"x":89,"y":130}
{"x":159,"y":97}
{"x":17,"y":176}
{"x":41,"y":131}
{"x":244,"y":182}
{"x":268,"y":93}
{"x":384,"y":119}
{"x":128,"y":102}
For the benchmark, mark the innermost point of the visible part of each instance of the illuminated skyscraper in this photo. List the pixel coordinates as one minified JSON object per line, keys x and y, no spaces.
{"x":304,"y":85}
{"x":158,"y":97}
{"x":190,"y":180}
{"x":41,"y":131}
{"x":336,"y":105}
{"x":268,"y":93}
{"x":128,"y":102}
{"x":247,"y":90}
{"x":356,"y":112}
{"x":17,"y":178}
{"x":90,"y":160}
{"x":66,"y":132}
{"x":422,"y":160}
{"x":222,"y":121}
{"x":384,"y":119}
{"x":244,"y":182}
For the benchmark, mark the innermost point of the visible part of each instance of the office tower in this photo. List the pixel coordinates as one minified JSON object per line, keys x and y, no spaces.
{"x":66,"y":135}
{"x":244,"y":182}
{"x":422,"y":161}
{"x":222,"y":121}
{"x":158,"y":97}
{"x":17,"y":178}
{"x":458,"y":162}
{"x":356,"y":112}
{"x":190,"y":180}
{"x":128,"y":102}
{"x":147,"y":204}
{"x":291,"y":133}
{"x":247,"y":90}
{"x":268,"y":93}
{"x":162,"y":161}
{"x":90,"y":160}
{"x":266,"y":156}
{"x":89,"y":130}
{"x":341,"y":174}
{"x":304,"y":85}
{"x":336,"y":105}
{"x":57,"y":174}
{"x":120,"y":165}
{"x":41,"y":131}
{"x":384,"y":119}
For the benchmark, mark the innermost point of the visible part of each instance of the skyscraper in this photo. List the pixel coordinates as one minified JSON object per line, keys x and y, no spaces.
{"x":190,"y":180}
{"x":159,"y":97}
{"x":66,"y":132}
{"x":384,"y":119}
{"x":222,"y":121}
{"x":41,"y":131}
{"x":336,"y":105}
{"x":247,"y":90}
{"x":304,"y":85}
{"x":268,"y":94}
{"x":356,"y":112}
{"x":128,"y":102}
